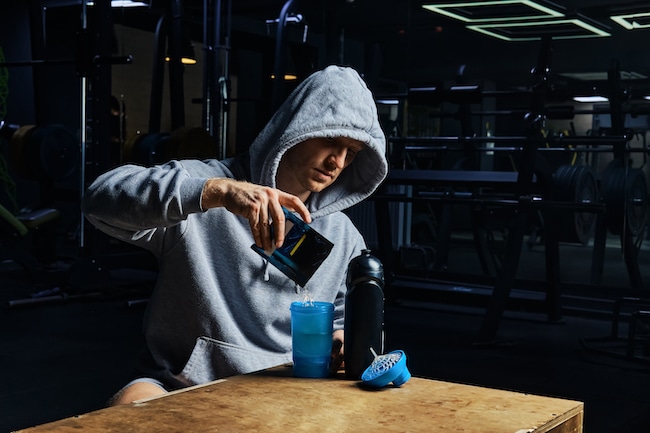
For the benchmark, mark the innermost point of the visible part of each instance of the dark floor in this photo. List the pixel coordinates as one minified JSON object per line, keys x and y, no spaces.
{"x":65,"y":358}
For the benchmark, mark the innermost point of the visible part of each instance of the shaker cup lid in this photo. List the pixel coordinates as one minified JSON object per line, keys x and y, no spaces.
{"x":387,"y":368}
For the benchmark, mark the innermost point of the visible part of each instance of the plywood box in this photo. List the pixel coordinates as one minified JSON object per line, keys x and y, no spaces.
{"x":273,"y":401}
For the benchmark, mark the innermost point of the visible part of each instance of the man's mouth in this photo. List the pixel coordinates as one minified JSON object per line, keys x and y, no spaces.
{"x":326,"y":174}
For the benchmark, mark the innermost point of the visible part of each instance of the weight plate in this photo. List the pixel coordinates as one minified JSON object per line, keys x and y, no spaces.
{"x":44,"y":152}
{"x":128,"y":148}
{"x":574,"y":184}
{"x":55,"y":150}
{"x":146,"y":149}
{"x":189,"y":143}
{"x":636,"y":201}
{"x":624,"y":193}
{"x":585,"y":191}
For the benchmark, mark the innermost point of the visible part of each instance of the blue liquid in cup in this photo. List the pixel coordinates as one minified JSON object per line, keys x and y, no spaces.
{"x":311,"y":334}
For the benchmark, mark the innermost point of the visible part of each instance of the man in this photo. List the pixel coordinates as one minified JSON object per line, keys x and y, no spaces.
{"x":219,"y":308}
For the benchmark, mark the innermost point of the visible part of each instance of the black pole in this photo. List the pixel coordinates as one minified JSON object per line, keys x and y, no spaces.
{"x":38,"y":44}
{"x":210,"y":63}
{"x":280,"y":49}
{"x":615,"y":107}
{"x":157,"y":75}
{"x":175,"y":42}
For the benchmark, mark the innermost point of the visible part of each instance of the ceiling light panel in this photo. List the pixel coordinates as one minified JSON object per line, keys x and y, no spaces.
{"x":602,"y":75}
{"x":122,"y":4}
{"x":534,"y":30}
{"x":494,"y":10}
{"x":590,"y":99}
{"x":633,"y":21}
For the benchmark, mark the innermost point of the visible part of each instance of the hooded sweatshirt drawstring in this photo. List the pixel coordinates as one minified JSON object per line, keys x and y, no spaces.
{"x":267,"y":277}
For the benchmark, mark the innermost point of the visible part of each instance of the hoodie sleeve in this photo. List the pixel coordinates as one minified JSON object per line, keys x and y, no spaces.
{"x":132,"y":202}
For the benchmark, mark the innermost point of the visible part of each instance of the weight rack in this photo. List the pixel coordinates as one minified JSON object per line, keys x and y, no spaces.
{"x":532,"y":190}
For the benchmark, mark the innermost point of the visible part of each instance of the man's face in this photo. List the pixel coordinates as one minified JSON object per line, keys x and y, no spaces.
{"x":315,"y":164}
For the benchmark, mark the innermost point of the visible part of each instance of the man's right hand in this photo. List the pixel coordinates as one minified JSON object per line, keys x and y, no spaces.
{"x":260,"y":205}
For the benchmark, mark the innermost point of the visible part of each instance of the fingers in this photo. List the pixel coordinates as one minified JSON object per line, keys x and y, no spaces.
{"x":260,"y":205}
{"x":336,"y":362}
{"x":251,"y":202}
{"x":261,"y":228}
{"x":279,"y":222}
{"x":293,"y":203}
{"x":268,"y":225}
{"x":337,"y":357}
{"x":256,"y":229}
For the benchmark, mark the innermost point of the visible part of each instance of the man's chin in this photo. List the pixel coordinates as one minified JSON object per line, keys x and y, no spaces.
{"x":318,"y":186}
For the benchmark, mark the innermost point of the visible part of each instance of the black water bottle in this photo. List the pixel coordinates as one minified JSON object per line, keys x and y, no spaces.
{"x":364,"y":313}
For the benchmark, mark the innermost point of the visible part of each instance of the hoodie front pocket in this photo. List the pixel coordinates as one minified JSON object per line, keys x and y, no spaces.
{"x":213,"y":359}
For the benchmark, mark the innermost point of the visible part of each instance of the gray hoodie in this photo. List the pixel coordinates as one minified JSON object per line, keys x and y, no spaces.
{"x":218,"y":308}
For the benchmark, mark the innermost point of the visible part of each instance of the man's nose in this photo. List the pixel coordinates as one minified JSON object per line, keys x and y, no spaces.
{"x":337,"y":158}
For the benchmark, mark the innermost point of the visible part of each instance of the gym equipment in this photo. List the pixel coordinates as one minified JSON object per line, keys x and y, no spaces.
{"x":26,"y":239}
{"x":632,"y":346}
{"x":48,"y":152}
{"x":575,"y":184}
{"x":565,"y":202}
{"x":159,"y":147}
{"x":625,"y":194}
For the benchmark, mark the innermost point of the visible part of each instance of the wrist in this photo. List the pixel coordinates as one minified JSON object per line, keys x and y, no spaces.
{"x":213,"y":192}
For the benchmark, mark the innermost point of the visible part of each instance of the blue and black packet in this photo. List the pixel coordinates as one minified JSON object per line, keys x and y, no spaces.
{"x":303,"y":250}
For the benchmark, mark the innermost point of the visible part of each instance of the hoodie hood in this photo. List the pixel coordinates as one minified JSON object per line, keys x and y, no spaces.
{"x":333,"y":102}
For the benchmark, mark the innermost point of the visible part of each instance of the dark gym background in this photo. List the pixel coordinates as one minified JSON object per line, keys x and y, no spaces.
{"x":512,"y":228}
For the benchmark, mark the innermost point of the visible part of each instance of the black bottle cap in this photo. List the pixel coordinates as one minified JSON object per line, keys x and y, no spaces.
{"x":365,"y":267}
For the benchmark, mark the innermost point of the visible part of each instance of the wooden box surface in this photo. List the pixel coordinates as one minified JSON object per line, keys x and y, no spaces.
{"x":273,"y":401}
